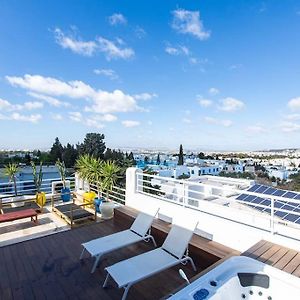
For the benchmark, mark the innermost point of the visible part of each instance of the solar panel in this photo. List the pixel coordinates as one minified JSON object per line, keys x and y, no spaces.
{"x":261,"y":189}
{"x":257,"y":200}
{"x":269,"y":191}
{"x":254,"y":188}
{"x":242,"y":197}
{"x":249,"y":198}
{"x":291,"y":217}
{"x":280,"y":214}
{"x":278,"y":204}
{"x":279,"y":193}
{"x":263,"y":203}
{"x":266,"y":202}
{"x":290,"y":195}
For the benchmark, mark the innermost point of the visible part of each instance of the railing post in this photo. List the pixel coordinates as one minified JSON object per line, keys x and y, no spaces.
{"x":272,"y":216}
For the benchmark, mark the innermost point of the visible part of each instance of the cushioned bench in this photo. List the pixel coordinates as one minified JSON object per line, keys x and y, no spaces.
{"x":17,"y":215}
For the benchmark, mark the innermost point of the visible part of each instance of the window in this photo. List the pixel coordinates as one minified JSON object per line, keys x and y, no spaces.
{"x":193,"y":172}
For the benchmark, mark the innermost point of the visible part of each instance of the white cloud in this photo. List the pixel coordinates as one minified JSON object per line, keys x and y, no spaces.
{"x":230,"y":104}
{"x":86,"y":48}
{"x":111,"y":74}
{"x":256,"y":129}
{"x":31,"y":105}
{"x":234,"y":67}
{"x":94,"y":123}
{"x":180,"y":50}
{"x":50,"y":100}
{"x":112,"y":51}
{"x":215,"y":121}
{"x":290,"y":126}
{"x":4,"y":104}
{"x":89,"y":48}
{"x":150,"y":123}
{"x":25,"y":118}
{"x":189,"y":22}
{"x":56,"y":117}
{"x":140,"y":32}
{"x":91,"y":121}
{"x":102,"y":101}
{"x":75,"y":116}
{"x":172,"y":50}
{"x":186,"y":120}
{"x":292,"y":117}
{"x":145,"y":96}
{"x":205,"y":102}
{"x":117,"y":19}
{"x":294,"y":103}
{"x":116,"y":101}
{"x":105,"y":118}
{"x":130,"y":123}
{"x":7,"y":106}
{"x":213,"y":91}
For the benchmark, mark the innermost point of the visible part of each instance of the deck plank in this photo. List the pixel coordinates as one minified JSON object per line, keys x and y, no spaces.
{"x":278,"y":256}
{"x":49,"y":267}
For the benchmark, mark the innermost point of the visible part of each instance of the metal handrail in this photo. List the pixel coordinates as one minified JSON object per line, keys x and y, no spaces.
{"x":181,"y":196}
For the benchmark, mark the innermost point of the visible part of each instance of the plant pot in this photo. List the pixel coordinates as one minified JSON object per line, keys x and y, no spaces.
{"x":107,"y":210}
{"x":40,"y":198}
{"x":98,"y":202}
{"x":65,"y":194}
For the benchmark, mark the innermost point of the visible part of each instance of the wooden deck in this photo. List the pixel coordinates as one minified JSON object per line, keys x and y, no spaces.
{"x":49,"y":267}
{"x":282,"y":258}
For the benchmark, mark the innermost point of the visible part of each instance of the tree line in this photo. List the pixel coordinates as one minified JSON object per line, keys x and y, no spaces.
{"x":93,"y":145}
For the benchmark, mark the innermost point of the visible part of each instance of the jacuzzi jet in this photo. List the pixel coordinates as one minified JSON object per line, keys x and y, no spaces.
{"x":243,"y":296}
{"x":213,"y":283}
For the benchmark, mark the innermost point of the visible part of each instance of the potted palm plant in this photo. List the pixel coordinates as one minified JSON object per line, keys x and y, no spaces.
{"x":84,"y":168}
{"x":65,"y":191}
{"x":38,"y":178}
{"x":11,"y":170}
{"x":110,"y":175}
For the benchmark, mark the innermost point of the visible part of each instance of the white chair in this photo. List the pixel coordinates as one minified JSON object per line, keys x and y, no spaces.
{"x":173,"y":251}
{"x":139,"y":231}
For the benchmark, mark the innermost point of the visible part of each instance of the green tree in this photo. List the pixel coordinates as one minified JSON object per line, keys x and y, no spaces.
{"x":93,"y":145}
{"x":70,"y":155}
{"x":180,"y":156}
{"x":56,"y":151}
{"x":11,"y":170}
{"x":158,"y":159}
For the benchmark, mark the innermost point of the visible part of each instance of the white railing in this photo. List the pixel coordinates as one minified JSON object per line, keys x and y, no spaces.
{"x":28,"y":188}
{"x":117,"y":194}
{"x":192,"y":194}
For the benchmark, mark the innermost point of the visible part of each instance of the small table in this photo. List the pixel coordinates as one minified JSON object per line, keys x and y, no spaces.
{"x":17,"y":215}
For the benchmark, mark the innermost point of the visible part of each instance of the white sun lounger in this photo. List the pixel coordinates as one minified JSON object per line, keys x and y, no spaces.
{"x":139,"y":231}
{"x":173,"y":251}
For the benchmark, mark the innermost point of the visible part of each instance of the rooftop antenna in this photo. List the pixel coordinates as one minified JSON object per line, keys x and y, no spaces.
{"x":182,"y":274}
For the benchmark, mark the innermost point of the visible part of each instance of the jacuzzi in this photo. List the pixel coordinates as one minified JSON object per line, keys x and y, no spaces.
{"x":242,"y":277}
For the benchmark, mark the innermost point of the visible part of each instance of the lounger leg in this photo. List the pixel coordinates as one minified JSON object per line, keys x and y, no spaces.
{"x":192,"y":263}
{"x":106,"y":280}
{"x":126,"y":291}
{"x":96,"y":263}
{"x":153,"y":240}
{"x":81,"y":255}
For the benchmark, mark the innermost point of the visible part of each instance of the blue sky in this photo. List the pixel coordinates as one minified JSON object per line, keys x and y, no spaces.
{"x":212,"y":75}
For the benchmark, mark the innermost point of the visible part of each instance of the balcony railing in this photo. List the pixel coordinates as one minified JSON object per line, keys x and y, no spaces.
{"x":28,"y":188}
{"x":194,"y":195}
{"x":117,"y":194}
